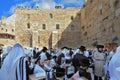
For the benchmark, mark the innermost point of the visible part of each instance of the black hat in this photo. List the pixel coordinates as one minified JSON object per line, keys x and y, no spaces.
{"x":55,"y":56}
{"x":64,"y":47}
{"x":82,"y":48}
{"x":100,"y":46}
{"x":44,"y":49}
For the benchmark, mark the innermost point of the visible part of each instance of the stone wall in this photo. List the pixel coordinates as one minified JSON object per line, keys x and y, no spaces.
{"x":100,"y":22}
{"x":60,"y":26}
{"x":97,"y":22}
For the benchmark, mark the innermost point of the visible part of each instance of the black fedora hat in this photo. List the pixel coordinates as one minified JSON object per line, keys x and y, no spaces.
{"x":100,"y":46}
{"x":82,"y":48}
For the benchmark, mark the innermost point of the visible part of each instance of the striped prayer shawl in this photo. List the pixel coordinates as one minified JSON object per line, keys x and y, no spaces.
{"x":21,"y":69}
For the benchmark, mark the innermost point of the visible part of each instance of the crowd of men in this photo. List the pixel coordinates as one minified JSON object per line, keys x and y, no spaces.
{"x":17,"y":63}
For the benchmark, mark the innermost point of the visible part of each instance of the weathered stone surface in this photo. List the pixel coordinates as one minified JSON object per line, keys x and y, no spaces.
{"x":96,"y":23}
{"x":101,"y":20}
{"x":35,"y":36}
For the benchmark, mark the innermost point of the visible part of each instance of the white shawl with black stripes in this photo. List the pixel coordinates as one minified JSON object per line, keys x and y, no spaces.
{"x":21,"y":69}
{"x":14,"y":65}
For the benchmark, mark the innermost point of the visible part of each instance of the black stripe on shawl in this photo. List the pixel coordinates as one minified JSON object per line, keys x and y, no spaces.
{"x":16,"y":74}
{"x":20,"y":65}
{"x":22,"y":68}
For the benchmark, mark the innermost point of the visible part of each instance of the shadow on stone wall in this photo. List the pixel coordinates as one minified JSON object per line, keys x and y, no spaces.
{"x":70,"y":37}
{"x":50,"y":41}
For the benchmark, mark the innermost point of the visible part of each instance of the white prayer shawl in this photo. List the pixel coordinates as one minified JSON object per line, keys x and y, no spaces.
{"x":37,"y":50}
{"x":26,"y":51}
{"x":52,"y":62}
{"x":65,"y":51}
{"x":111,"y":54}
{"x":11,"y":68}
{"x":21,"y":70}
{"x":67,"y":57}
{"x":47,"y":67}
{"x":76,"y":51}
{"x":73,"y":51}
{"x":118,"y":72}
{"x":86,"y":53}
{"x":114,"y":66}
{"x":108,"y":60}
{"x":38,"y":69}
{"x":31,"y":65}
{"x":49,"y":51}
{"x":29,"y":52}
{"x":6,"y":51}
{"x":43,"y":56}
{"x":58,"y":53}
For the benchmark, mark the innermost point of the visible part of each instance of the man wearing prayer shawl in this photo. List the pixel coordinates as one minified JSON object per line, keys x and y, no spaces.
{"x":114,"y":66}
{"x":99,"y":61}
{"x":39,"y":69}
{"x":14,"y":65}
{"x":5,"y":52}
{"x":111,"y":47}
{"x":44,"y":54}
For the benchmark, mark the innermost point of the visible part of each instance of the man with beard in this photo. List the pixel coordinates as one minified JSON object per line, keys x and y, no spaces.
{"x":99,"y":61}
